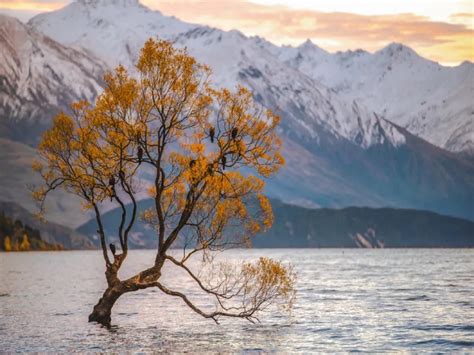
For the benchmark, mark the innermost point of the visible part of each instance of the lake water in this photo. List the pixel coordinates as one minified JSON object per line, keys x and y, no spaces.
{"x":363,"y":300}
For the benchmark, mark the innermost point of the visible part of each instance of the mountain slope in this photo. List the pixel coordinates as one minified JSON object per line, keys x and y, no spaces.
{"x":297,"y":227}
{"x":431,"y":101}
{"x":339,"y":153}
{"x":39,"y":77}
{"x":115,"y":30}
{"x":17,"y":177}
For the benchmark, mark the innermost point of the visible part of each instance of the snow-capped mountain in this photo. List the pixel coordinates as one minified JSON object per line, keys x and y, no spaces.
{"x":339,"y":151}
{"x":115,"y":30}
{"x":431,"y":101}
{"x":38,"y":77}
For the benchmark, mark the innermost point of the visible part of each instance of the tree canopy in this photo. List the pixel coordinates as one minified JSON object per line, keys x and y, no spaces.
{"x":208,"y":151}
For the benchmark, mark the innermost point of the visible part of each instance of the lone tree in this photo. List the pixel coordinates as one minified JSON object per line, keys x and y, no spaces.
{"x":207,"y":151}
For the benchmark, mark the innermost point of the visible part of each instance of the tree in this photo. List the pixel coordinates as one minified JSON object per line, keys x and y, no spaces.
{"x":207,"y":151}
{"x":25,"y":243}
{"x":7,"y":244}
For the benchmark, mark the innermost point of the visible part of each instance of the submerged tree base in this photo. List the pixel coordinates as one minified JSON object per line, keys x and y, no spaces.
{"x":103,"y":309}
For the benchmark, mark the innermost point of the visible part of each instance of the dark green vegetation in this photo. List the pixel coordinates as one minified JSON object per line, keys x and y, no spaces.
{"x":297,"y":227}
{"x":50,"y":234}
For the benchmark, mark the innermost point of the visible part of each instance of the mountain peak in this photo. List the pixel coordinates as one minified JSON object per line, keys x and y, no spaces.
{"x":397,"y":49}
{"x":123,"y":3}
{"x":308,"y":45}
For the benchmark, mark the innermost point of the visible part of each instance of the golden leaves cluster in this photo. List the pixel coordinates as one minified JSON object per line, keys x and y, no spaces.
{"x":209,"y":149}
{"x":251,"y":287}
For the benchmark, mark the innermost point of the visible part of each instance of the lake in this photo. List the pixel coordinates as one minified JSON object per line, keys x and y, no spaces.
{"x":348,"y":299}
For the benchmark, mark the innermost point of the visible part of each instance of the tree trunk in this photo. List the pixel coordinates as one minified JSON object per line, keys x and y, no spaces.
{"x":103,"y":309}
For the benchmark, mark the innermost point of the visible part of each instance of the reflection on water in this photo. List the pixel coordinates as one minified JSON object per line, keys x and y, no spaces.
{"x":363,"y":300}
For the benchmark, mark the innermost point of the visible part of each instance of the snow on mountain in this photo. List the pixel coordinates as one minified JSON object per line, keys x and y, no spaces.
{"x":339,"y":151}
{"x":308,"y":108}
{"x":38,"y":77}
{"x":115,"y":30}
{"x":431,"y":101}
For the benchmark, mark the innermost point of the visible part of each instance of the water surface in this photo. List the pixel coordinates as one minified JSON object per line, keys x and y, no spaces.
{"x":361,"y":300}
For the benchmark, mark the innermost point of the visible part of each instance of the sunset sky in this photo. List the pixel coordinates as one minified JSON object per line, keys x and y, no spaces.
{"x":442,"y":30}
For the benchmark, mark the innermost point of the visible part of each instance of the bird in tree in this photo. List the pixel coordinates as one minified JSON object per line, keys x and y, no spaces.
{"x":224,"y":162}
{"x":112,"y":248}
{"x":139,"y":154}
{"x":234,"y":132}
{"x":170,"y":104}
{"x":210,"y":169}
{"x":212,"y":133}
{"x":112,"y":187}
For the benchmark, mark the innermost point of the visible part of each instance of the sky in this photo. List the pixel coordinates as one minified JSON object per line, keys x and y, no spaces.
{"x":441,"y":30}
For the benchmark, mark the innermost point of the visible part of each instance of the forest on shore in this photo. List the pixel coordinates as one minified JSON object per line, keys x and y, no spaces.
{"x":16,"y":236}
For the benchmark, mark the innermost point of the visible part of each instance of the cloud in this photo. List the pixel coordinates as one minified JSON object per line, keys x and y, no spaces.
{"x":465,"y":18}
{"x":34,"y":5}
{"x":442,"y":41}
{"x":463,"y":15}
{"x":447,"y":42}
{"x":24,"y":10}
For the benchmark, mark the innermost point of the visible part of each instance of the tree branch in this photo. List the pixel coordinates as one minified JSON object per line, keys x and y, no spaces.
{"x":248,"y":315}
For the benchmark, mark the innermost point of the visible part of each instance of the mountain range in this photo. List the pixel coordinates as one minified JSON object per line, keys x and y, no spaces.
{"x":359,"y":129}
{"x":429,"y":100}
{"x":352,"y":227}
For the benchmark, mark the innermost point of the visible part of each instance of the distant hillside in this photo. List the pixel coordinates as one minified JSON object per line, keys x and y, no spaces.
{"x":142,"y":236}
{"x":297,"y":227}
{"x":354,"y":227}
{"x":51,"y":233}
{"x":16,"y":176}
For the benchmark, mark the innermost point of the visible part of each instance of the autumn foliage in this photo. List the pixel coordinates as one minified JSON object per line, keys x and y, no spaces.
{"x":208,"y":151}
{"x":16,"y":236}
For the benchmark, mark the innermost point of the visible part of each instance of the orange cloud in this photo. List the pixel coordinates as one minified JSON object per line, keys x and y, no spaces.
{"x":37,"y":6}
{"x":447,"y":42}
{"x":463,"y":18}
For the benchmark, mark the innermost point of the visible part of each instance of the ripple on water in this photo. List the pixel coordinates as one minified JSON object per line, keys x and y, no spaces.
{"x":418,"y":298}
{"x":355,"y":300}
{"x":445,"y":342}
{"x":443,"y":327}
